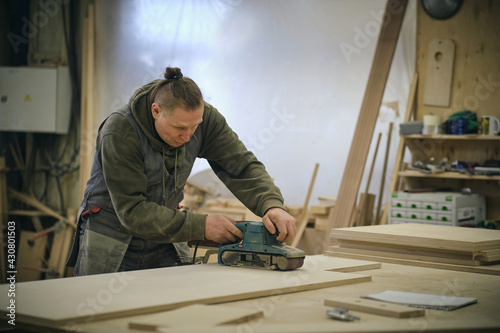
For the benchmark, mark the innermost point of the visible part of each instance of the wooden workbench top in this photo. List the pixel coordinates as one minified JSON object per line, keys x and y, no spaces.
{"x":305,"y":312}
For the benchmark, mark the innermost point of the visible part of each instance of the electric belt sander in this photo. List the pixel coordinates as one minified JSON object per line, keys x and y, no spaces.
{"x":260,"y":249}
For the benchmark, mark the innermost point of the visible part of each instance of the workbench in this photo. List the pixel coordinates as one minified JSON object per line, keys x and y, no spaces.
{"x":305,"y":311}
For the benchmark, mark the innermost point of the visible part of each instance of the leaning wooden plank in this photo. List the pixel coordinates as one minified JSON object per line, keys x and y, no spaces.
{"x":367,"y":118}
{"x":33,"y":202}
{"x":375,"y":307}
{"x":424,"y":235}
{"x":88,"y":110}
{"x":410,"y":108}
{"x":196,"y":316}
{"x":366,"y":200}
{"x":303,"y":219}
{"x":59,"y":251}
{"x":105,"y":296}
{"x":30,"y":257}
{"x":382,"y":181}
{"x":489,"y":269}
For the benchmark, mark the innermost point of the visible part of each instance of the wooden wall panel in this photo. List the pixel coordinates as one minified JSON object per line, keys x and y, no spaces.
{"x":475,"y":29}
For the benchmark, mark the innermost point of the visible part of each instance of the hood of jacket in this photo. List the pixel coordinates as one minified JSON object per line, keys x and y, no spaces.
{"x":141,"y":108}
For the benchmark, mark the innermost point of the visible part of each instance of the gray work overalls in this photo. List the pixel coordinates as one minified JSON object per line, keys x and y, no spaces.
{"x":101,"y":242}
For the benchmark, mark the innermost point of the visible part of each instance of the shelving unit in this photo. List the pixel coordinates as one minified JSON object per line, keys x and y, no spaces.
{"x":467,"y":148}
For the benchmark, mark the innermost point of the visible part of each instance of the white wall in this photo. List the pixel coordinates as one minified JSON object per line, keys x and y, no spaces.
{"x":288,"y":75}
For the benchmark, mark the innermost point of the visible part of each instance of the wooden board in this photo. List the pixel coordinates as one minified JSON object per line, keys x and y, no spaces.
{"x":367,"y":118}
{"x":374,"y":249}
{"x":439,"y":72}
{"x":30,"y":256}
{"x":326,"y":263}
{"x":424,"y":235}
{"x":61,"y":245}
{"x":463,"y":258}
{"x":195,"y":316}
{"x":490,"y":269}
{"x":375,"y":307}
{"x":393,"y":186}
{"x":96,"y":297}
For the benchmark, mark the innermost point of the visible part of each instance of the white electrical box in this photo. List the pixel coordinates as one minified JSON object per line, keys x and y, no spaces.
{"x":35,"y":99}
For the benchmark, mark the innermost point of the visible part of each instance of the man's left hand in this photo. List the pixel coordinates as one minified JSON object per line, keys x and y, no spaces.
{"x":279,"y":218}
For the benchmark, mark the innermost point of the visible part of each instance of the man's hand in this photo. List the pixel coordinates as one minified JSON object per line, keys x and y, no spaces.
{"x":221,"y":229}
{"x":283,"y":221}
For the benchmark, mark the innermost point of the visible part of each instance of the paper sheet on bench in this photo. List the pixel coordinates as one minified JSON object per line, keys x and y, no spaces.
{"x":427,"y":301}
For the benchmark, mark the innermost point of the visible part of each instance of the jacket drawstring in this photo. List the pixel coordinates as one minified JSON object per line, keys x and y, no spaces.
{"x":163,"y":174}
{"x":163,"y":177}
{"x":175,"y":170}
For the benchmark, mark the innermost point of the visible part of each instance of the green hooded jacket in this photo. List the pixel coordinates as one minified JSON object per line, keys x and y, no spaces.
{"x":123,"y":169}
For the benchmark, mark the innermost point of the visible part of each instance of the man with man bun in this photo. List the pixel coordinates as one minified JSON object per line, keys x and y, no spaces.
{"x":128,"y":219}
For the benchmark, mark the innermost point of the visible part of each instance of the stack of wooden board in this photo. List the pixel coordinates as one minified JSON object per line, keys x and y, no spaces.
{"x":457,"y":248}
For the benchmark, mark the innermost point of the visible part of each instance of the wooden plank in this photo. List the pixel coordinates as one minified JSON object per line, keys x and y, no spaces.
{"x":320,"y":209}
{"x":424,"y":235}
{"x":487,"y":269}
{"x":328,"y":263}
{"x":30,"y":257}
{"x":382,"y":180}
{"x":367,"y":204}
{"x":61,"y":244}
{"x":488,"y":256}
{"x":195,"y":316}
{"x":364,"y":212}
{"x":375,"y":307}
{"x":410,"y":109}
{"x":372,"y":100}
{"x":304,"y":217}
{"x":439,"y":72}
{"x":88,"y":128}
{"x":33,"y":202}
{"x":411,"y":254}
{"x":114,"y":295}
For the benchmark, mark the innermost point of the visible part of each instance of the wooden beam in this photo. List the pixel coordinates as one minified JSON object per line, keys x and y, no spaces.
{"x":382,"y":181}
{"x":304,"y":214}
{"x":363,"y":201}
{"x":33,"y":202}
{"x":410,"y":109}
{"x":384,"y":52}
{"x":88,"y":130}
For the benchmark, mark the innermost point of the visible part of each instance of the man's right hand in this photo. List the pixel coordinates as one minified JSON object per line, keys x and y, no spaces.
{"x":221,"y":229}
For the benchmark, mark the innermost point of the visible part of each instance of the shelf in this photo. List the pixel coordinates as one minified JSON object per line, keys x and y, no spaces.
{"x":447,"y":175}
{"x":471,"y":137}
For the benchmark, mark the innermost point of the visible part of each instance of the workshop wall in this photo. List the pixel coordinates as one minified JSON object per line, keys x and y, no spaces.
{"x":289,"y":76}
{"x":475,"y":31}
